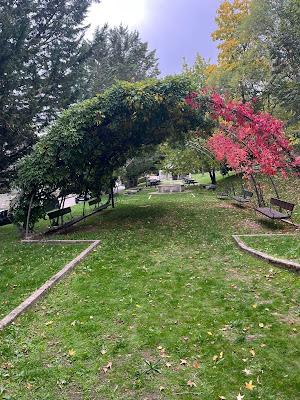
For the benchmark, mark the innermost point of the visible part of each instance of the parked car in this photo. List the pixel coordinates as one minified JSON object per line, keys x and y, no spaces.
{"x":82,"y":197}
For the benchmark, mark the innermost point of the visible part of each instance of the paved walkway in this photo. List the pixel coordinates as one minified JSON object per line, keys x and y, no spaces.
{"x":69,"y":202}
{"x":5,"y":200}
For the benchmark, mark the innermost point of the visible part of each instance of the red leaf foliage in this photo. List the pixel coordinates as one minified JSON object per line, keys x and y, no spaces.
{"x":246,"y":140}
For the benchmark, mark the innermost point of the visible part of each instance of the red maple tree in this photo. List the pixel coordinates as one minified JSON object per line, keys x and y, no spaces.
{"x":246,"y":140}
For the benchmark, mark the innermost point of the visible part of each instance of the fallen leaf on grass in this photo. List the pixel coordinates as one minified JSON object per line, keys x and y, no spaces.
{"x":247,"y":371}
{"x":103,"y":351}
{"x":249,"y":385}
{"x":49,"y":323}
{"x":29,"y":386}
{"x":218,"y":357}
{"x":191,"y":383}
{"x":107,"y":367}
{"x":71,"y":353}
{"x":7,"y":365}
{"x":196,"y":364}
{"x":252,"y":352}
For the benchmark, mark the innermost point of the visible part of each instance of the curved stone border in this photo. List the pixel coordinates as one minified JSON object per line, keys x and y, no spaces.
{"x":266,"y":257}
{"x":35,"y":296}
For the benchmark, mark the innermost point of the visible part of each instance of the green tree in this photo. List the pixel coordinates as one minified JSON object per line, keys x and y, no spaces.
{"x":146,"y":162}
{"x":276,"y":26}
{"x":198,"y":72}
{"x":41,"y":61}
{"x":92,"y":139}
{"x":179,"y":160}
{"x":206,"y":159}
{"x":192,"y":156}
{"x":118,"y":54}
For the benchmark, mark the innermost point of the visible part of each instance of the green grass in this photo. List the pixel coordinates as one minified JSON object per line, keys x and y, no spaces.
{"x":287,"y":247}
{"x":24,"y":267}
{"x":288,"y":190}
{"x":167,"y":284}
{"x":205,"y":178}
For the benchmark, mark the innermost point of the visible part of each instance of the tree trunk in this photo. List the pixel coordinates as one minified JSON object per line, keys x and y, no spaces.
{"x":212,"y":174}
{"x":112,"y":196}
{"x":28,"y":216}
{"x":258,"y":192}
{"x":274,"y":187}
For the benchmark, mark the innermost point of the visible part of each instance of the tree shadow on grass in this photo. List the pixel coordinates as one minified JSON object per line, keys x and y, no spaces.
{"x":272,"y":224}
{"x":126,"y":216}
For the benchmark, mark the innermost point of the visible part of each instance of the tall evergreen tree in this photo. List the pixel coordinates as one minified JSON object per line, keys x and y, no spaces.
{"x":42,"y":52}
{"x":119,"y":54}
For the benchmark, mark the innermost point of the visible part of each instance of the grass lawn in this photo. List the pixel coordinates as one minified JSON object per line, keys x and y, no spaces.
{"x":24,"y":267}
{"x":166,"y":308}
{"x":287,"y":247}
{"x":205,"y":178}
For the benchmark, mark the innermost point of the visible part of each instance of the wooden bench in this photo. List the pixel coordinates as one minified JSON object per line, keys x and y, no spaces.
{"x":244,"y":198}
{"x":95,"y":201}
{"x":189,"y":181}
{"x":275,"y":214}
{"x":54,"y":215}
{"x":4,"y":218}
{"x":211,"y":186}
{"x":224,"y":195}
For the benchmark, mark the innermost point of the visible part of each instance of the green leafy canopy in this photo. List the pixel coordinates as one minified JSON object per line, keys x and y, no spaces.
{"x":93,"y":138}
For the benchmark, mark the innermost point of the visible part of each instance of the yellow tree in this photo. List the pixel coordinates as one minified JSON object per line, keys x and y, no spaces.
{"x":230,"y":17}
{"x":242,"y":68}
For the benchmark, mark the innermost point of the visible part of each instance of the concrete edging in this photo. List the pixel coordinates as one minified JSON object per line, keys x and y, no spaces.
{"x":37,"y":294}
{"x":264,"y":256}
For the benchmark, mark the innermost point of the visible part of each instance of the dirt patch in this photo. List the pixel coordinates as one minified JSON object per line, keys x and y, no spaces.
{"x":149,"y":356}
{"x":224,"y":205}
{"x":251,"y":338}
{"x":252,"y":224}
{"x":229,"y":334}
{"x":151,"y":396}
{"x":168,"y":220}
{"x":130,"y":394}
{"x":238,"y":275}
{"x":291,"y":318}
{"x":74,"y":393}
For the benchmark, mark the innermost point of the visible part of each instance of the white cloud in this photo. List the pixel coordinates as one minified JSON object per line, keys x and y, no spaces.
{"x":130,"y":13}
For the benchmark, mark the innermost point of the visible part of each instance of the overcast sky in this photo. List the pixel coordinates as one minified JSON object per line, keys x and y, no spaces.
{"x":175,"y":28}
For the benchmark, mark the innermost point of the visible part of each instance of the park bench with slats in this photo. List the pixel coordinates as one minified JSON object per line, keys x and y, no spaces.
{"x":244,"y":198}
{"x":95,"y":201}
{"x":274,"y":213}
{"x":54,"y":215}
{"x":224,"y":195}
{"x":189,"y":181}
{"x":4,"y":218}
{"x":212,"y":187}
